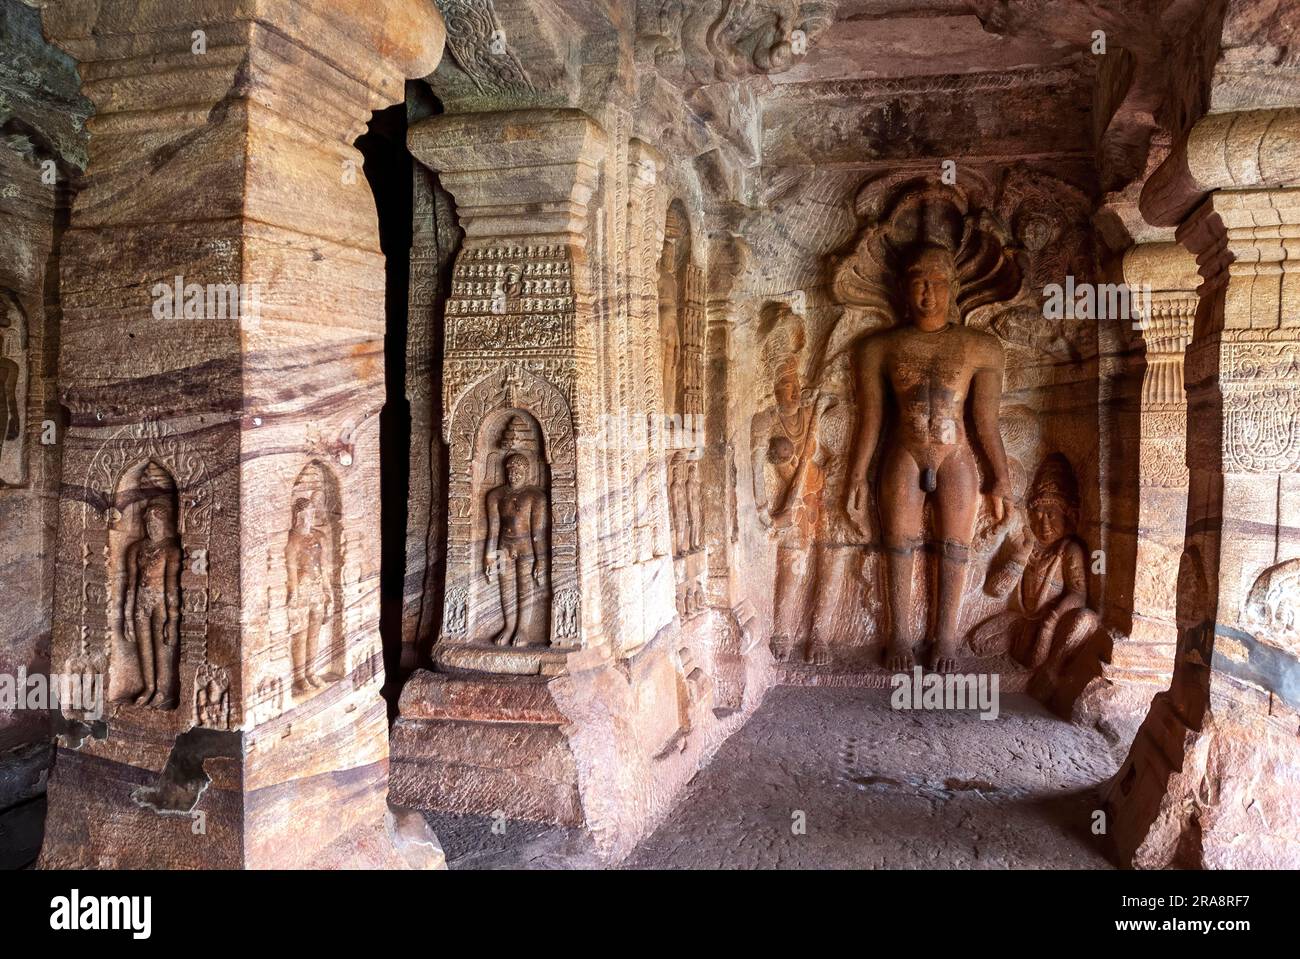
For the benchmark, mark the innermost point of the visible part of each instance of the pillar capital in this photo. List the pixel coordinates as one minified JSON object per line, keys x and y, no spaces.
{"x":526,"y":173}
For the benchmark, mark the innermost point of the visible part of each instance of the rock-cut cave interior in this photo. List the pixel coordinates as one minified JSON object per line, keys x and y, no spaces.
{"x":650,"y":434}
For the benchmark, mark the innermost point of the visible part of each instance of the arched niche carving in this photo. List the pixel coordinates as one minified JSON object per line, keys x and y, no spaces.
{"x":142,"y":466}
{"x":13,"y":389}
{"x":510,"y":412}
{"x":313,"y":557}
{"x":144,"y":561}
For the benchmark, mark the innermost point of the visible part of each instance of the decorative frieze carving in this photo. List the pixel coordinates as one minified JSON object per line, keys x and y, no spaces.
{"x":711,"y":40}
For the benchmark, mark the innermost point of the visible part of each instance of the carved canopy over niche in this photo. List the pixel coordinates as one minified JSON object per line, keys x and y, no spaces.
{"x":706,"y":41}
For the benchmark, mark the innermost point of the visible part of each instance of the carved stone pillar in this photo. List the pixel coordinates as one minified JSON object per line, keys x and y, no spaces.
{"x":222,"y":360}
{"x":518,"y":374}
{"x":1169,"y":273}
{"x":1209,"y":779}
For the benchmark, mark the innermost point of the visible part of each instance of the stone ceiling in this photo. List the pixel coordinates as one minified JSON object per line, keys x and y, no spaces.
{"x":911,"y":38}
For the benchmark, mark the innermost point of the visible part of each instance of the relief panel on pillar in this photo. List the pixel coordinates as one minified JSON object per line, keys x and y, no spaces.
{"x":313,"y":593}
{"x":511,"y":603}
{"x":13,"y":389}
{"x":143,"y":616}
{"x":681,"y":343}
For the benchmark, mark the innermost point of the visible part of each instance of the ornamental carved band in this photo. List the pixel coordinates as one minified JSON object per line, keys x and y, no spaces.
{"x":1261,"y":405}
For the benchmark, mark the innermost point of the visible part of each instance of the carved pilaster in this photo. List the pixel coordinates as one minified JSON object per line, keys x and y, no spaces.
{"x":213,"y":475}
{"x":520,"y":343}
{"x":1232,"y":188}
{"x":1168,"y":273}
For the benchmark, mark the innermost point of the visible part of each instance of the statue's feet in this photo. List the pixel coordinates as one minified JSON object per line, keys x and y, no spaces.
{"x":163,"y":704}
{"x":315,"y":682}
{"x":503,"y":638}
{"x":943,"y":660}
{"x":782,"y":649}
{"x":899,"y":658}
{"x":300,"y":686}
{"x":146,"y":697}
{"x":819,"y":654}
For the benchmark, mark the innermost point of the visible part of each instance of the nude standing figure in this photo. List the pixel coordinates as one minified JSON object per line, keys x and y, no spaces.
{"x":309,"y":559}
{"x":517,"y":553}
{"x":151,"y":610}
{"x":927,"y":372}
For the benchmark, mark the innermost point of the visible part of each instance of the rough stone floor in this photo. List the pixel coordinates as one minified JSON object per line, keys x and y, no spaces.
{"x":874,"y":788}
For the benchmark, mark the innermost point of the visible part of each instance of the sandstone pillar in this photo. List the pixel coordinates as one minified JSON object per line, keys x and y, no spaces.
{"x":1210,"y":778}
{"x":564,"y":681}
{"x":223,"y":364}
{"x":1146,"y":658}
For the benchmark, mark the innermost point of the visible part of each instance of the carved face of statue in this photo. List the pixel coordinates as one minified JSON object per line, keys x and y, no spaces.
{"x":516,"y":471}
{"x":788,"y":389}
{"x":928,"y":284}
{"x":155,"y":524}
{"x":1049,"y":519}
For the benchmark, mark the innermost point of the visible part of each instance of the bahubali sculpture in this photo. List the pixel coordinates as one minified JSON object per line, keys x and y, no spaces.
{"x":927,"y":373}
{"x":786,"y":449}
{"x":517,"y":552}
{"x":1048,"y":569}
{"x":151,"y":606}
{"x":309,"y":559}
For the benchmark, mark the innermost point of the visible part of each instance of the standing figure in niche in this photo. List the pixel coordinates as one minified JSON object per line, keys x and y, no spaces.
{"x":518,"y":518}
{"x":678,"y":499}
{"x":693,"y":502}
{"x":785,"y":446}
{"x":151,"y":610}
{"x":309,"y":559}
{"x":9,"y":373}
{"x":1049,"y":619}
{"x":931,"y":369}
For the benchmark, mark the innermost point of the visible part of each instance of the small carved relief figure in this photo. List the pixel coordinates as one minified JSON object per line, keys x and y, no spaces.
{"x":309,"y":560}
{"x":517,"y":551}
{"x":151,"y":609}
{"x":678,"y":498}
{"x":1049,"y":619}
{"x":211,"y":698}
{"x":928,"y":371}
{"x":786,"y":448}
{"x":694,"y":503}
{"x":9,"y":376}
{"x":507,"y":290}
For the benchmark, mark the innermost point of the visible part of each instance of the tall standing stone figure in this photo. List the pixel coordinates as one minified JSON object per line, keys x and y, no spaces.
{"x":927,"y":372}
{"x":9,"y":376}
{"x":151,"y":607}
{"x":517,"y":550}
{"x":788,"y":479}
{"x":310,"y":562}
